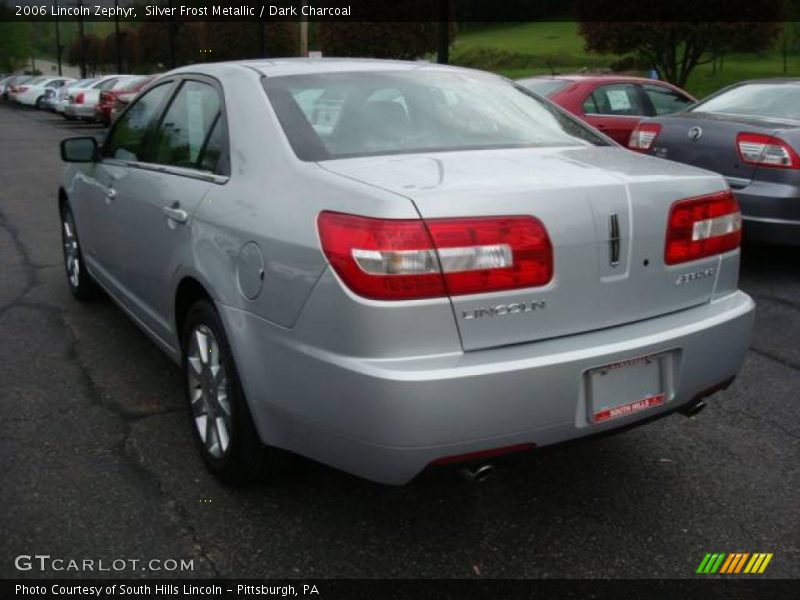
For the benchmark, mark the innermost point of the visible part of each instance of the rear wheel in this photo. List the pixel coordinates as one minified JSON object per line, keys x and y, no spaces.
{"x":39,"y":102}
{"x":80,"y":283}
{"x":221,"y":422}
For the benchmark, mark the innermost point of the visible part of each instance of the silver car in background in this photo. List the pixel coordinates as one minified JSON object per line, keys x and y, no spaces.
{"x":82,"y":100}
{"x":387,"y":265}
{"x":57,"y":99}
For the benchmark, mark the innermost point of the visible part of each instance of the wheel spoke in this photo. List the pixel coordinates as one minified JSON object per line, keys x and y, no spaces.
{"x":212,"y":436}
{"x":202,"y":426}
{"x":222,"y":434}
{"x":202,"y":346}
{"x":194,"y":363}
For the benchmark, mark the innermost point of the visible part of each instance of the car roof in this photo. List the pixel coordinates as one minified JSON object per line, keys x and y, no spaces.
{"x":307,"y":66}
{"x":786,"y":80}
{"x":597,"y":78}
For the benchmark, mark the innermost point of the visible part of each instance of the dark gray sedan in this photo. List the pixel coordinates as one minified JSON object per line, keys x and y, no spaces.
{"x":750,"y":133}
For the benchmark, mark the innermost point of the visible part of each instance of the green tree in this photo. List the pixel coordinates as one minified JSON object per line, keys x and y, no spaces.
{"x":676,"y":47}
{"x":15,"y":41}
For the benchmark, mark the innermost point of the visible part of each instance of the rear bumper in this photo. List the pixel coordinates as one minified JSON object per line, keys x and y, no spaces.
{"x":388,"y":419}
{"x":79,"y":111}
{"x":771,"y":212}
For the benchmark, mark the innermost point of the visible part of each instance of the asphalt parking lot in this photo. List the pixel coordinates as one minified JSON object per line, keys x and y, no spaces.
{"x":98,"y":462}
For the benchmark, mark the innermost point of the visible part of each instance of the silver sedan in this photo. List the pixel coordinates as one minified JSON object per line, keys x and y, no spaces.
{"x":386,"y":265}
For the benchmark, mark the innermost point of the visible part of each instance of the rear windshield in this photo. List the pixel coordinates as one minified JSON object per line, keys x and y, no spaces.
{"x":340,"y":115}
{"x":545,"y":87}
{"x":771,"y":100}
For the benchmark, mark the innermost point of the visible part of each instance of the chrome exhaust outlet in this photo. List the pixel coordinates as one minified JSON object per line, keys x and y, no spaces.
{"x":693,"y":409}
{"x":477,"y":474}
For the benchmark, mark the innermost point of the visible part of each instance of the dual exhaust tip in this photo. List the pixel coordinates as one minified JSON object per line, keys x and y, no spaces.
{"x":477,"y":474}
{"x":480,"y":473}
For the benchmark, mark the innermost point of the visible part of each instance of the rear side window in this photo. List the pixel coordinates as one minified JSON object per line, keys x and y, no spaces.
{"x":665,"y":100}
{"x":620,"y":99}
{"x":776,"y":100}
{"x":544,"y":87}
{"x":106,"y":84}
{"x":336,"y":115}
{"x":190,"y":134}
{"x":127,"y":139}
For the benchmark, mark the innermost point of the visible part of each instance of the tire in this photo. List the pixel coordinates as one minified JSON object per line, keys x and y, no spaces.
{"x":39,"y":101}
{"x":79,"y":281}
{"x":230,"y":445}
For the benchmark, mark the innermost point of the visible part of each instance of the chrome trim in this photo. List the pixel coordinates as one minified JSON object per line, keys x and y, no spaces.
{"x":614,"y":239}
{"x":770,"y":220}
{"x":737,"y":182}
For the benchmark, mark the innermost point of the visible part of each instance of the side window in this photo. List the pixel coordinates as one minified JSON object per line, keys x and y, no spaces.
{"x":186,"y":127}
{"x":127,"y":139}
{"x":105,"y":85}
{"x":665,"y":100}
{"x":214,"y":156}
{"x":620,"y":99}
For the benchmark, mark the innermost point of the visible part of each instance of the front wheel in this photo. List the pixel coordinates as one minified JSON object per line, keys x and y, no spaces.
{"x":221,"y":421}
{"x":80,"y":283}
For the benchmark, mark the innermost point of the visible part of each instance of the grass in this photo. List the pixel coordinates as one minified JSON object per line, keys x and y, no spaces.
{"x":525,"y":49}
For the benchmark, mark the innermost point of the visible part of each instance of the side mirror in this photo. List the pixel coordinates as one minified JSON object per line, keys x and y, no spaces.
{"x":79,"y":150}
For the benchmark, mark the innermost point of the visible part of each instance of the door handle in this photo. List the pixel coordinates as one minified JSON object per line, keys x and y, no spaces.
{"x":176,"y":214}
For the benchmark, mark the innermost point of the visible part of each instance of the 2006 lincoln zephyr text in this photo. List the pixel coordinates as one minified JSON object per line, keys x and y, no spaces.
{"x":387,"y":265}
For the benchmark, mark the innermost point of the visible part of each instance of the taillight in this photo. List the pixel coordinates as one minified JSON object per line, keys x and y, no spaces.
{"x":643,"y":136}
{"x":22,"y":88}
{"x":392,"y":259}
{"x":766,"y":151}
{"x":703,"y":226}
{"x":79,"y":98}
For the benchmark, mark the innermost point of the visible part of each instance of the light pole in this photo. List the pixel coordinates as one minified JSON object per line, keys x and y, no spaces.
{"x":116,"y":34}
{"x":58,"y":41}
{"x":303,"y":31}
{"x":443,"y":34}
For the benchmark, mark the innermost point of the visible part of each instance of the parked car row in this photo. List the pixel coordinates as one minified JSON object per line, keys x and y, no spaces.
{"x":748,"y":132}
{"x":97,"y":99}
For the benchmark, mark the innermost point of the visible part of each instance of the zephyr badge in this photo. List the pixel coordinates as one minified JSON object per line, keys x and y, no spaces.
{"x":695,"y":133}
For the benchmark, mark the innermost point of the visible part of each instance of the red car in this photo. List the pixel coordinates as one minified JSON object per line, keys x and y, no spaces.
{"x":107,"y":107}
{"x":612,"y":104}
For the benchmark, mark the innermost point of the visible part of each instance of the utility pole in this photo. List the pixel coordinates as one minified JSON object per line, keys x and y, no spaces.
{"x":443,"y":34}
{"x":171,"y":39}
{"x":82,"y":41}
{"x":58,"y":41}
{"x":303,"y":32}
{"x":116,"y":34}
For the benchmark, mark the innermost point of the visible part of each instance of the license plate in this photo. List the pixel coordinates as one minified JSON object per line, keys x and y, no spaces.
{"x":626,"y":387}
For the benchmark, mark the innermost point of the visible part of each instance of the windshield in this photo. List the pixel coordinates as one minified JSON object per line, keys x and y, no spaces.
{"x":338,"y":115}
{"x":545,"y":87}
{"x":772,"y":100}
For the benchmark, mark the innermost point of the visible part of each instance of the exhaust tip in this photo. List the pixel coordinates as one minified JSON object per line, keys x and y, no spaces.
{"x":477,"y":474}
{"x":693,"y":409}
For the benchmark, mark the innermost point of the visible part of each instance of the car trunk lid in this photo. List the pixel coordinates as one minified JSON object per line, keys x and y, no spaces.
{"x":708,"y":141}
{"x":583,"y":196}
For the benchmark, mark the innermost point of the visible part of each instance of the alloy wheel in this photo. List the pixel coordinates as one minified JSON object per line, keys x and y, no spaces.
{"x":208,"y":391}
{"x":72,"y":255}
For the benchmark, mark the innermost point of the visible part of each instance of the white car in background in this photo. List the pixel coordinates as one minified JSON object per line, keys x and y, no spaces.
{"x":33,"y":92}
{"x":81,"y":101}
{"x":56,"y":99}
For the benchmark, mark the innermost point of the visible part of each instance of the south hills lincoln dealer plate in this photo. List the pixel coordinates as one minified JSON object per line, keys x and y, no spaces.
{"x":627,"y":387}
